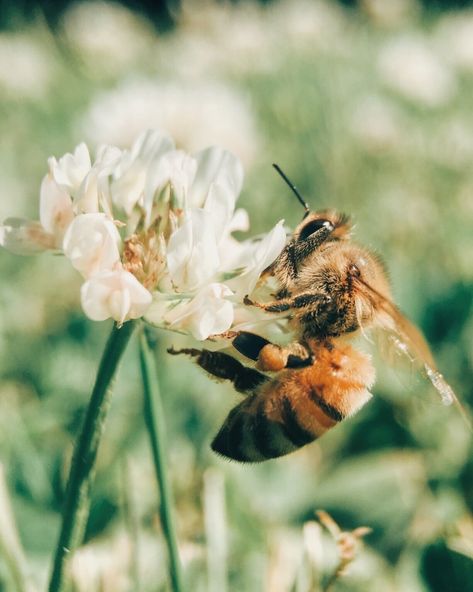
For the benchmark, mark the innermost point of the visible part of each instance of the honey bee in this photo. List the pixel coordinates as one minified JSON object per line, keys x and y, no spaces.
{"x":330,"y":288}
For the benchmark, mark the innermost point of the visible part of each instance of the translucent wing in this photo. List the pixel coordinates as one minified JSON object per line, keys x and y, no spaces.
{"x":409,"y":341}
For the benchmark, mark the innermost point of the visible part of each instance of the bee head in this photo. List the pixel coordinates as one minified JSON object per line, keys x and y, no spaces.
{"x":338,"y":224}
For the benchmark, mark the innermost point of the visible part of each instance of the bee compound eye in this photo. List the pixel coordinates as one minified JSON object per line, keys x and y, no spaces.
{"x":314,"y":226}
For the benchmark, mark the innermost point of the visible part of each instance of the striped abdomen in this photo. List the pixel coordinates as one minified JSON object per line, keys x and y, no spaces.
{"x":297,"y":407}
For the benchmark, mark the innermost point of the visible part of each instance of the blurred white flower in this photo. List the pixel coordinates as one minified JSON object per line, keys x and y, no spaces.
{"x":312,"y":24}
{"x":410,"y":66}
{"x":108,"y":36}
{"x":455,"y":36}
{"x":104,"y":567}
{"x":390,"y":13}
{"x":377,"y":124}
{"x":25,"y":67}
{"x":195,"y":114}
{"x":150,"y":229}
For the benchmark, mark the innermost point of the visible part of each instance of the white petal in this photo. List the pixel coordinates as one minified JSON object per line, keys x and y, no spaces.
{"x":215,"y":166}
{"x":175,"y":168}
{"x":55,"y":208}
{"x":128,"y":183}
{"x":107,"y":155}
{"x":261,"y":256}
{"x":240,"y":221}
{"x":114,"y":294}
{"x":24,"y":237}
{"x":208,"y":313}
{"x":70,"y":170}
{"x":92,"y":244}
{"x":87,"y":198}
{"x":151,"y":144}
{"x":192,"y":254}
{"x":220,"y":204}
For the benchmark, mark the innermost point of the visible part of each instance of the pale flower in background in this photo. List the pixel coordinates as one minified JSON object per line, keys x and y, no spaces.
{"x":410,"y":66}
{"x":390,"y":13}
{"x":105,"y":567}
{"x":195,"y":114}
{"x":311,"y":24}
{"x":106,"y":34}
{"x":149,"y":229}
{"x":455,"y":38}
{"x":26,"y":69}
{"x":377,"y":124}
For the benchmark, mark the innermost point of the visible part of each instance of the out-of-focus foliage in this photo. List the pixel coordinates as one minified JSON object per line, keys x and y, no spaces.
{"x":368,"y":112}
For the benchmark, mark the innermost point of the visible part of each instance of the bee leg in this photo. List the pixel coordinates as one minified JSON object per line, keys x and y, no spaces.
{"x":249,"y":344}
{"x":299,"y":301}
{"x":273,"y":358}
{"x":225,"y":367}
{"x":301,"y":249}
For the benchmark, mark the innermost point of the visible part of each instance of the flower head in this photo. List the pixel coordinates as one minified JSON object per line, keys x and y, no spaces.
{"x":150,"y":230}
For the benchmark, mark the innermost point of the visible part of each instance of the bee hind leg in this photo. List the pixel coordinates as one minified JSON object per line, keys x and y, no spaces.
{"x":270,"y":357}
{"x":225,"y":367}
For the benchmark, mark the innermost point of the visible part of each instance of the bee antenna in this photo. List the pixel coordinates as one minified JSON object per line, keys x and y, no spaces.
{"x":293,"y":187}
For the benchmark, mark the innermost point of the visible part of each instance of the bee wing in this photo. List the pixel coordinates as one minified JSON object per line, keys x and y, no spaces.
{"x":409,"y":341}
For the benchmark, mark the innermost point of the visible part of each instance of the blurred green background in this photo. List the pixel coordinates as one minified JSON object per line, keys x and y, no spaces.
{"x":367,"y":106}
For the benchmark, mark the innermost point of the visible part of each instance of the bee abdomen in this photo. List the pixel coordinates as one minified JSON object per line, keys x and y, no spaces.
{"x":292,"y":427}
{"x":249,"y":434}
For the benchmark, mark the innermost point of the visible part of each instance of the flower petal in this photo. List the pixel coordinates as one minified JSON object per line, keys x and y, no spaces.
{"x":92,"y":244}
{"x":55,"y":208}
{"x":70,"y":170}
{"x":129,"y":176}
{"x":114,"y":294}
{"x":151,"y":144}
{"x":25,"y":237}
{"x":220,"y":204}
{"x":208,"y":313}
{"x":261,"y":256}
{"x":192,"y":254}
{"x":218,"y":166}
{"x":175,"y":168}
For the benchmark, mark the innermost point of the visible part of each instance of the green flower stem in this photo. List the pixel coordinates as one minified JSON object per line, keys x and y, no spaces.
{"x":77,"y":499}
{"x":154,"y":418}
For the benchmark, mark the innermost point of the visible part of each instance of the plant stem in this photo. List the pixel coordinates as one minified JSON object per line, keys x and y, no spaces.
{"x":77,"y":498}
{"x":154,"y":418}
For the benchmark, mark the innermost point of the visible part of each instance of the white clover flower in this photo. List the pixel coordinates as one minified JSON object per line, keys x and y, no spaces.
{"x":150,"y":230}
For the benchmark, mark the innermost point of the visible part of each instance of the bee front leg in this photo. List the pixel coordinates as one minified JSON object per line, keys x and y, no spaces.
{"x":294,"y":302}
